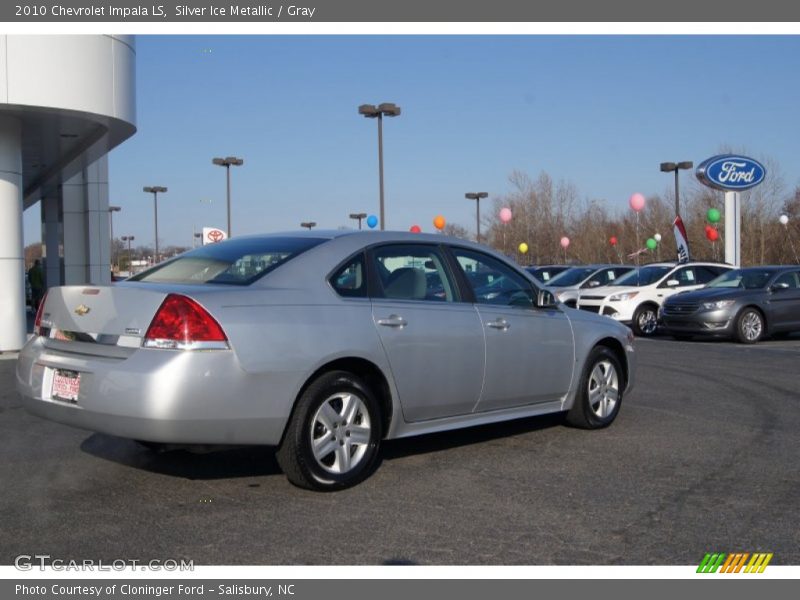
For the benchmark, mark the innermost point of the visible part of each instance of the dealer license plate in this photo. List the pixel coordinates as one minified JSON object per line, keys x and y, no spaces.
{"x":66,"y":385}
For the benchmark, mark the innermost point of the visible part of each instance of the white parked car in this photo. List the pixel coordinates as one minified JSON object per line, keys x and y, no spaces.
{"x":634,"y":299}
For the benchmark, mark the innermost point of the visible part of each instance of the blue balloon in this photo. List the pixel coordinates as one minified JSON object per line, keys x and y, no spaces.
{"x":372,"y":221}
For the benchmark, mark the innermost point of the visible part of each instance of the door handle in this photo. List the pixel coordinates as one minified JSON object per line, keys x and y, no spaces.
{"x":499,"y":323}
{"x":393,"y":321}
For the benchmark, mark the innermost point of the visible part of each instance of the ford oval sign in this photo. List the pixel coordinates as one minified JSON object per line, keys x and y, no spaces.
{"x":731,"y":172}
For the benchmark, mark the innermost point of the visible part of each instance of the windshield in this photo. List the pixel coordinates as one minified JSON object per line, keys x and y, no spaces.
{"x":748,"y":279}
{"x":545,"y":274}
{"x":234,"y":262}
{"x":642,"y":276}
{"x":572,"y":276}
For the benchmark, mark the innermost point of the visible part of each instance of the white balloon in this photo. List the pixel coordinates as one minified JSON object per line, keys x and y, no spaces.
{"x":784,"y":219}
{"x":657,"y":237}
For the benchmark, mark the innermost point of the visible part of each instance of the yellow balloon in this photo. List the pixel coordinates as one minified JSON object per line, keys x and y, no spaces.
{"x":523,"y":247}
{"x":439,"y":222}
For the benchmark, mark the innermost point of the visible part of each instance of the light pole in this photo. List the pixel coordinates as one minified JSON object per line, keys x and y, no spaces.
{"x":111,"y":211}
{"x":477,"y":197}
{"x":370,"y":111}
{"x":155,"y":189}
{"x":358,"y":217}
{"x":667,"y":167}
{"x":227,"y":162}
{"x":308,"y":224}
{"x":129,"y":239}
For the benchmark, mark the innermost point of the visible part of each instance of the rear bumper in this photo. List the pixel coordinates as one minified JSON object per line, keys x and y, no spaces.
{"x":160,"y":396}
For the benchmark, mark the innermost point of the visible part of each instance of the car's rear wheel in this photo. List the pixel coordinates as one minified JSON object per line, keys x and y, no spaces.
{"x":332,"y":439}
{"x":600,"y":393}
{"x":645,"y":320}
{"x":749,"y":326}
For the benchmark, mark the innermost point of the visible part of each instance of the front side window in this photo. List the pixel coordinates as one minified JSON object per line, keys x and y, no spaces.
{"x":234,"y":262}
{"x":505,"y":287}
{"x":412,"y":272}
{"x":787,"y":280}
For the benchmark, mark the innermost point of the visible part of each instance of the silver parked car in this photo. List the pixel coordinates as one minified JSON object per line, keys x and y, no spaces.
{"x":321,"y":344}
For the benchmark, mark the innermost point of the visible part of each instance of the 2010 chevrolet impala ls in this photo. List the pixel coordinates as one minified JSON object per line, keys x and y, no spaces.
{"x":321,"y":344}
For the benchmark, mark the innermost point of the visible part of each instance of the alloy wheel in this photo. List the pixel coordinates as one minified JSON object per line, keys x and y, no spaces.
{"x":603,"y":389}
{"x":340,"y":433}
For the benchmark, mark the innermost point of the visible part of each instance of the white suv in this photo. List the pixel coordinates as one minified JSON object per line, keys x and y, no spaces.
{"x":634,"y":298}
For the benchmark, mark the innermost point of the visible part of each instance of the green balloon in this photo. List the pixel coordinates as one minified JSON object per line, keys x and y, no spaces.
{"x":651,"y":244}
{"x":713,"y":215}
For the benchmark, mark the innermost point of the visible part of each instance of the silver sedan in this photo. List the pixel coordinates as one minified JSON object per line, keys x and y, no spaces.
{"x":322,"y":345}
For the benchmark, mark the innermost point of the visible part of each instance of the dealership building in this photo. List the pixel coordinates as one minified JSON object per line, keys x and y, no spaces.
{"x":65,"y":102}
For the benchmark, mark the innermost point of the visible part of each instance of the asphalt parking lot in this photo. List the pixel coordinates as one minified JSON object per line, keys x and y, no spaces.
{"x":703,"y":457}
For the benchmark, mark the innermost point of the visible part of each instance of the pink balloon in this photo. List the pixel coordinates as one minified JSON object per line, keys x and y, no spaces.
{"x":505,"y":215}
{"x":564,"y":242}
{"x":637,"y":202}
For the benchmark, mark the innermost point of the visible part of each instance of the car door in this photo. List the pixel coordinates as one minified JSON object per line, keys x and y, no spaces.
{"x":784,"y":300}
{"x":433,"y":340}
{"x":529,"y":351}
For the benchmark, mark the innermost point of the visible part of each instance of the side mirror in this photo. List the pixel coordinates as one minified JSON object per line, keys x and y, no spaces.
{"x":779,"y":287}
{"x":546,"y":299}
{"x":672,"y":283}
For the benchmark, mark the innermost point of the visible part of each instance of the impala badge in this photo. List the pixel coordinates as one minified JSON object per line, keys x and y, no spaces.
{"x":82,"y":310}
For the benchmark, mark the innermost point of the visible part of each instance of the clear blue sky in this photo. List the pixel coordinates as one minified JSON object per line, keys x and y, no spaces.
{"x":600,"y":111}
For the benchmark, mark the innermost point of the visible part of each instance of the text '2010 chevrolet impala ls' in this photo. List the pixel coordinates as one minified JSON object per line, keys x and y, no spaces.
{"x":321,"y":344}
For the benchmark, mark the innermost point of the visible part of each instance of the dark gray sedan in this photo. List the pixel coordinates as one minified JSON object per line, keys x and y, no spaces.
{"x":321,"y":344}
{"x":744,"y":304}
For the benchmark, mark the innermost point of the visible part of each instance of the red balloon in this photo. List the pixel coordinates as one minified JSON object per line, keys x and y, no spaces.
{"x":712,"y":234}
{"x":415,"y":229}
{"x":613,"y":240}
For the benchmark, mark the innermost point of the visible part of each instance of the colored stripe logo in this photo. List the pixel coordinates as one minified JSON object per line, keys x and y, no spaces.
{"x":737,"y":562}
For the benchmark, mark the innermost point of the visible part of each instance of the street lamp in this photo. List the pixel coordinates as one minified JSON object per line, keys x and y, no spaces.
{"x":129,"y":239}
{"x":227,"y":162}
{"x":370,"y":111}
{"x":111,"y":211}
{"x":155,"y":189}
{"x":308,"y":224}
{"x":477,"y":197}
{"x":667,"y":167}
{"x":358,"y":217}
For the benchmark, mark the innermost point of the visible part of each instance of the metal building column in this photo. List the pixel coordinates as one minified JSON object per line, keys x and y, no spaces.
{"x":12,"y":267}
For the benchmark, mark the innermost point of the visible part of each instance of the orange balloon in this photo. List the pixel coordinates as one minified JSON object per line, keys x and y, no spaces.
{"x":439,"y":222}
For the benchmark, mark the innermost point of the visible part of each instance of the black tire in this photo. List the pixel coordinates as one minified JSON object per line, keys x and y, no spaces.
{"x":750,"y":326}
{"x":320,"y":415}
{"x":645,"y":320}
{"x":601,"y":364}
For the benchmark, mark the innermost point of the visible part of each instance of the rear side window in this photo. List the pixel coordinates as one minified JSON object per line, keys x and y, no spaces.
{"x":234,"y":262}
{"x":350,"y":280}
{"x":413,"y":272}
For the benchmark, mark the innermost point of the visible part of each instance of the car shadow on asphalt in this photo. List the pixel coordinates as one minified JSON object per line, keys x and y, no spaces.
{"x":196,"y":463}
{"x":210,"y":463}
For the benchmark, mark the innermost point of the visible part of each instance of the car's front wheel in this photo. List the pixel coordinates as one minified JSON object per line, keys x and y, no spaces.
{"x":645,"y":320}
{"x":749,"y":326}
{"x":600,"y":393}
{"x":332,"y":439}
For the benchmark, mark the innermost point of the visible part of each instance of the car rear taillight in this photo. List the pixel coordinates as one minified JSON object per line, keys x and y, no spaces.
{"x":182,"y":324}
{"x":37,"y":323}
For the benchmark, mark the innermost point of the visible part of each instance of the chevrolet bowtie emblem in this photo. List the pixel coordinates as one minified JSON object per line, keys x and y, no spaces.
{"x":82,"y":310}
